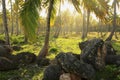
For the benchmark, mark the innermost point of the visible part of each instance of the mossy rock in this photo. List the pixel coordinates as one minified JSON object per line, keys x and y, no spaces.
{"x":2,"y":42}
{"x":5,"y":51}
{"x":52,"y":72}
{"x":25,"y":58}
{"x":7,"y":64}
{"x":43,"y":62}
{"x":71,"y":64}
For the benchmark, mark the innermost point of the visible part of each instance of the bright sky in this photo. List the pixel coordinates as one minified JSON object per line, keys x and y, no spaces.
{"x":65,"y":6}
{"x":70,"y":7}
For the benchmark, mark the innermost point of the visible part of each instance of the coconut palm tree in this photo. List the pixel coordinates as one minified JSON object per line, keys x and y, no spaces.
{"x":5,"y":23}
{"x":45,"y":48}
{"x":11,"y":5}
{"x":98,"y":7}
{"x":115,"y":3}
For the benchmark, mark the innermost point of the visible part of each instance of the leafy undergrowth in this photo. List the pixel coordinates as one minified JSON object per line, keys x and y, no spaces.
{"x":111,"y":72}
{"x":33,"y":72}
{"x":29,"y":72}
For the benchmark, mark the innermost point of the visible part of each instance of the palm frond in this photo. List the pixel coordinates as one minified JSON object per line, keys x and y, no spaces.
{"x":54,"y":11}
{"x":29,"y":17}
{"x":76,"y":4}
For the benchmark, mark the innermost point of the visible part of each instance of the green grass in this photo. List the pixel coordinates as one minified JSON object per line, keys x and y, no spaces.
{"x":29,"y":72}
{"x":69,"y":44}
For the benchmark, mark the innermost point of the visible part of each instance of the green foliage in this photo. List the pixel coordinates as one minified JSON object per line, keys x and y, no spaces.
{"x":117,"y":46}
{"x":53,"y":50}
{"x":17,"y":40}
{"x":29,"y":72}
{"x":109,"y":73}
{"x":6,"y":75}
{"x":2,"y":37}
{"x":29,"y":17}
{"x":99,"y":7}
{"x":76,"y":4}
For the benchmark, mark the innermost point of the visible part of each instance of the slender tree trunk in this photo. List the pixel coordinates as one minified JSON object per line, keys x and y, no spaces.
{"x":88,"y":16}
{"x":11,"y":17}
{"x":100,"y":28}
{"x":25,"y":36}
{"x":83,"y":27}
{"x":17,"y":25}
{"x":25,"y":39}
{"x":58,"y":29}
{"x":44,"y":50}
{"x":5,"y":23}
{"x":114,"y":24}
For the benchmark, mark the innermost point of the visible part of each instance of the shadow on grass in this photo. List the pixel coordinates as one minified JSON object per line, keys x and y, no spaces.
{"x":29,"y":72}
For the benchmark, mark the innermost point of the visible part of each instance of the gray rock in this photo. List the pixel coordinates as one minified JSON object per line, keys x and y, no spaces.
{"x":52,"y":72}
{"x":71,"y":64}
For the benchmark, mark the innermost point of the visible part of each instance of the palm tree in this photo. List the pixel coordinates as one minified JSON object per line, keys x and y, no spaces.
{"x":84,"y":25}
{"x":58,"y":29}
{"x":5,"y":23}
{"x":11,"y":5}
{"x":114,"y":21}
{"x":87,"y":26}
{"x":17,"y":15}
{"x":98,"y":7}
{"x":45,"y":48}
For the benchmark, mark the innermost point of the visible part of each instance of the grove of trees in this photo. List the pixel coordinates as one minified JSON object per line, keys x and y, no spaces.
{"x":23,"y":17}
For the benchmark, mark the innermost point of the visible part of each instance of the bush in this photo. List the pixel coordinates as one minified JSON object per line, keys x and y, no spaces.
{"x":53,"y":50}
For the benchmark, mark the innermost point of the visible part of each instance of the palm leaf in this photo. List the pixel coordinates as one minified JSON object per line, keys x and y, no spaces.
{"x":99,"y":7}
{"x":29,"y":17}
{"x":54,"y":11}
{"x":76,"y":4}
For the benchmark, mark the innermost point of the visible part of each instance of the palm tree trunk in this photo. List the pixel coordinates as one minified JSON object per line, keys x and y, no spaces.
{"x":5,"y":23}
{"x":25,"y":39}
{"x":25,"y":36}
{"x":83,"y":27}
{"x":44,"y":50}
{"x":11,"y":17}
{"x":114,"y":24}
{"x":58,"y":29}
{"x":88,"y":16}
{"x":17,"y":25}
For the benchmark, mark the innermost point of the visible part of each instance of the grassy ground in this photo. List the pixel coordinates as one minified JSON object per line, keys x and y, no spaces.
{"x":68,"y":44}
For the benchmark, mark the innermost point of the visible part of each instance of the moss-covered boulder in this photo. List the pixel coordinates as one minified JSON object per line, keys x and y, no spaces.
{"x":25,"y":58}
{"x":5,"y":51}
{"x":52,"y":72}
{"x":7,"y":64}
{"x":43,"y":62}
{"x":71,"y":64}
